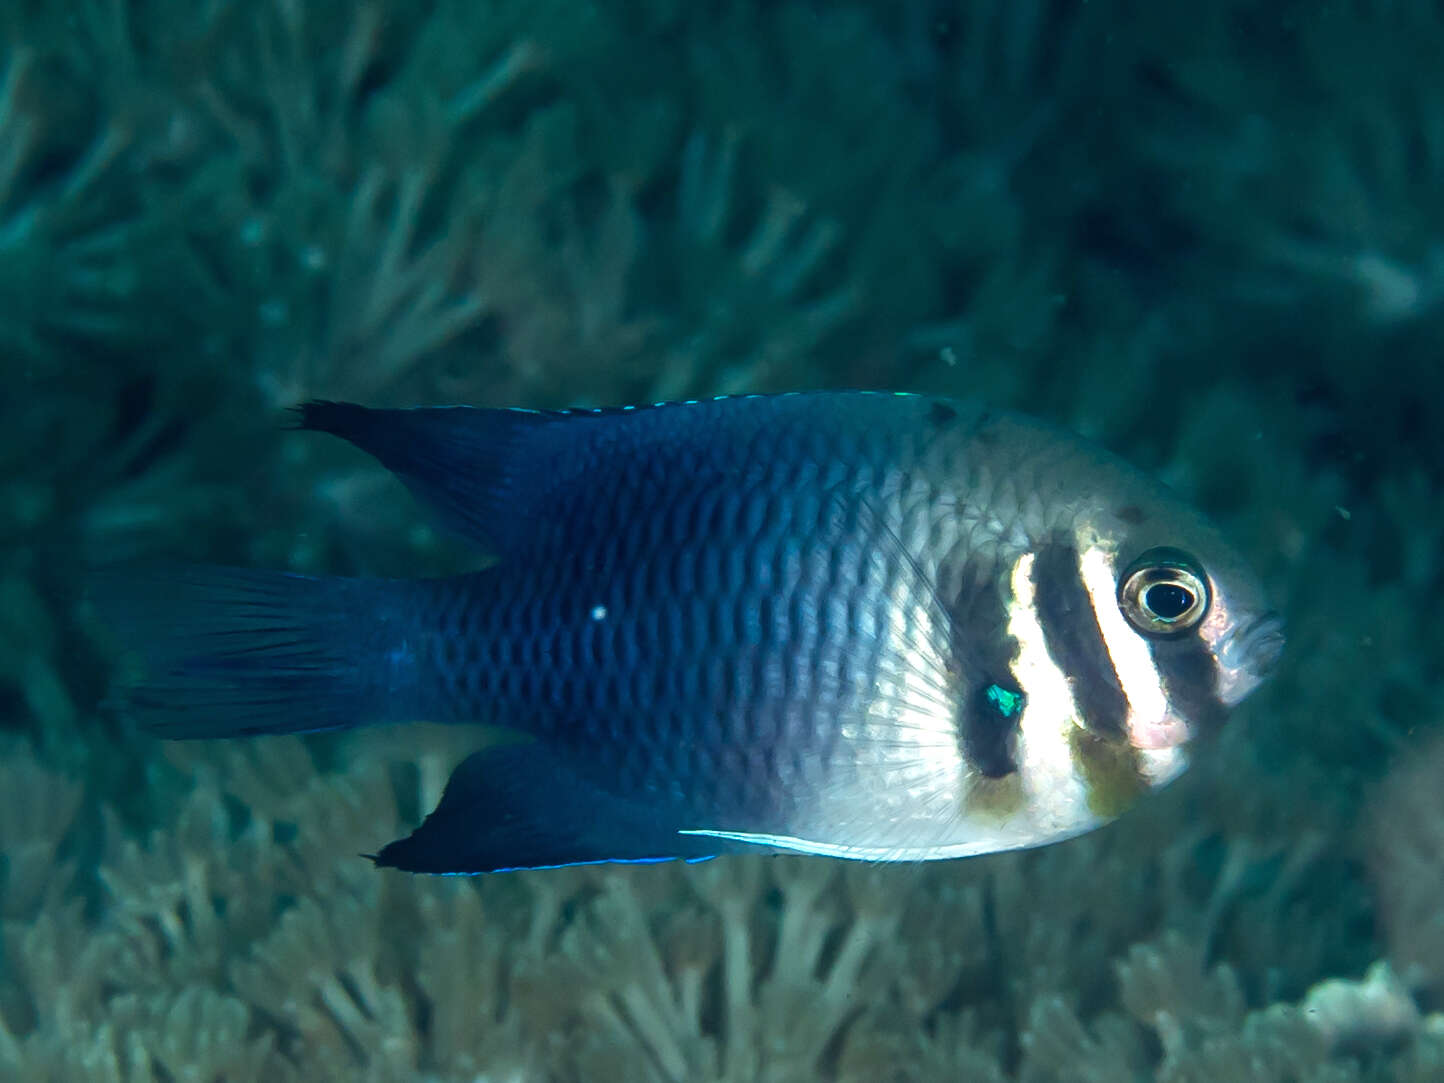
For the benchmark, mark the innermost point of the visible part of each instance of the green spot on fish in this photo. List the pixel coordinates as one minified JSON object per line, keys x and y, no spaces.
{"x":1111,"y":771}
{"x":1005,"y":701}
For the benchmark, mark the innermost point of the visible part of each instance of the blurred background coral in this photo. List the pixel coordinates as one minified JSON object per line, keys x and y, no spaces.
{"x":1210,"y":236}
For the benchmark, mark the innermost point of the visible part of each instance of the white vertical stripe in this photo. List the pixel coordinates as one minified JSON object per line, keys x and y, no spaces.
{"x":1056,"y":793}
{"x":1151,"y":725}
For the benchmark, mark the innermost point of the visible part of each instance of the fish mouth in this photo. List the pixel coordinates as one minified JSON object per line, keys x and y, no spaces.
{"x":1248,"y":656}
{"x":1260,"y":644}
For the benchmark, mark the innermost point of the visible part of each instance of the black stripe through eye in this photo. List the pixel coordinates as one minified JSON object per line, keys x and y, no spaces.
{"x":1187,"y":670}
{"x":1075,"y":642}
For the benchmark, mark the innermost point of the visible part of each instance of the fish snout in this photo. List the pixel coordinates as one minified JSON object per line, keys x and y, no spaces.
{"x":1248,"y":656}
{"x":1256,"y":647}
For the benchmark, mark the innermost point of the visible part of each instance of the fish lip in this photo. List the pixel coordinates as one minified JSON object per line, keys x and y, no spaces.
{"x":1261,"y":643}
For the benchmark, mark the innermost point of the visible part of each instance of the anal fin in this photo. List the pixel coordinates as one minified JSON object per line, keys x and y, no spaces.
{"x":522,"y":807}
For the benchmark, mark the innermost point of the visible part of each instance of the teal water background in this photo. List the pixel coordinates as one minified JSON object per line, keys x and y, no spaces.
{"x":1210,"y":236}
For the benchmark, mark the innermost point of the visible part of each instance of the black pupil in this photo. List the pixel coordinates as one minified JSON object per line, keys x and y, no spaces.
{"x":1168,"y":601}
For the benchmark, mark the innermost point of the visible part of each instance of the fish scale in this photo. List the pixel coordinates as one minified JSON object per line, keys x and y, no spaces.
{"x":865,"y":625}
{"x":757,"y":611}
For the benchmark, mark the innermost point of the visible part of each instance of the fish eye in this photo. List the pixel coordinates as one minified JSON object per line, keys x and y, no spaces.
{"x":1164,"y":592}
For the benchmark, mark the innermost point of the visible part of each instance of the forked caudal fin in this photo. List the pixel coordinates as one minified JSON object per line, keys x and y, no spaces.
{"x":229,"y":652}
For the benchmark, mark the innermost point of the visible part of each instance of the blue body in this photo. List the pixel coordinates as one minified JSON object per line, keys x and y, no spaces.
{"x":754,"y":622}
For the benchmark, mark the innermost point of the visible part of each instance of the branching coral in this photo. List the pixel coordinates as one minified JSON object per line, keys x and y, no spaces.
{"x":1295,"y":158}
{"x":313,"y":203}
{"x":1404,"y":843}
{"x":1318,"y":178}
{"x":49,"y":963}
{"x":65,"y":247}
{"x":1200,"y":1020}
{"x":243,"y":939}
{"x":36,"y":816}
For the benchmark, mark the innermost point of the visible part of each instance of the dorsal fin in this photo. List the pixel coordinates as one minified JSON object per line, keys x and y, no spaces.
{"x":472,"y":466}
{"x":489,"y":472}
